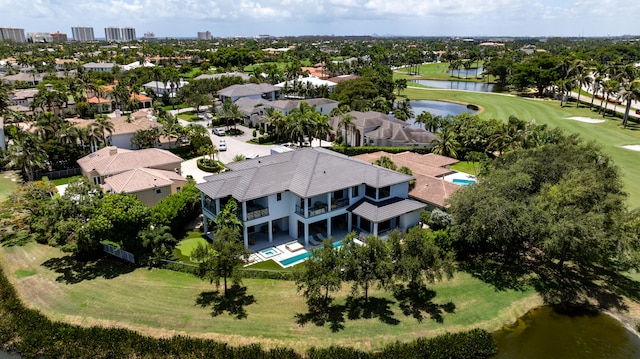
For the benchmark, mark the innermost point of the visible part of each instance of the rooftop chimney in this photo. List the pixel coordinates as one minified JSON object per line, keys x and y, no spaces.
{"x":113,"y":150}
{"x":391,"y":118}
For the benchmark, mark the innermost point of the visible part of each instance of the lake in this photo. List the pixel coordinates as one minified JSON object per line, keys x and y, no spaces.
{"x":439,"y":108}
{"x":545,"y":333}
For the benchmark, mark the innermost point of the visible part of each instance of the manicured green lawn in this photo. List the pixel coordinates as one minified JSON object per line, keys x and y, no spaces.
{"x":9,"y":181}
{"x":436,"y":71}
{"x":467,"y":167}
{"x":66,"y":180}
{"x":609,"y":135}
{"x":187,"y":116}
{"x":162,"y":302}
{"x":183,"y":250}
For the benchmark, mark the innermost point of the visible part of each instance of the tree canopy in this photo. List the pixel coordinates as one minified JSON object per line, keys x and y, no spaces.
{"x":544,"y":214}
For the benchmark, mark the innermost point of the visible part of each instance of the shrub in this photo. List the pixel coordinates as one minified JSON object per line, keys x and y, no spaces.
{"x":254,"y":133}
{"x":204,"y":165}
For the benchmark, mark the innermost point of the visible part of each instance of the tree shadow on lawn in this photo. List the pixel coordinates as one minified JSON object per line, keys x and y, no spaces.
{"x":234,"y":302}
{"x":355,"y":308}
{"x":417,"y":302}
{"x":73,"y":271}
{"x":591,"y":285}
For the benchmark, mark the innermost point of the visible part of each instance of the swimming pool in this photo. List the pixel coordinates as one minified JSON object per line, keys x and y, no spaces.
{"x":463,"y":182}
{"x":270,"y":252}
{"x":298,"y":258}
{"x":302,"y":256}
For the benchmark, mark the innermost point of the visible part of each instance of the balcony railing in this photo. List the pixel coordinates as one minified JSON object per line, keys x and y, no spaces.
{"x":257,"y":213}
{"x":339,"y":203}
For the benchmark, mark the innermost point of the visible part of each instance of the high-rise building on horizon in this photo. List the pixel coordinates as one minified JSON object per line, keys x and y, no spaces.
{"x":112,"y":33}
{"x":128,"y":34}
{"x":149,"y":36}
{"x":59,"y":37}
{"x":204,"y":35}
{"x":82,"y":33}
{"x":39,"y":37}
{"x":12,"y":34}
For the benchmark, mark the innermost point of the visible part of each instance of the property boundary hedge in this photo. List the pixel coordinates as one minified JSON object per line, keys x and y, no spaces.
{"x":32,"y":335}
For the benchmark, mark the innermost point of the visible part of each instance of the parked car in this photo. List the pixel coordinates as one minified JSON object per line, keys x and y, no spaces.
{"x":222,"y":146}
{"x":219,"y":131}
{"x":637,"y":112}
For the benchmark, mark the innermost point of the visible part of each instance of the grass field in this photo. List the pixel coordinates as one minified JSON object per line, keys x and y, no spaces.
{"x":183,"y":250}
{"x":609,"y":135}
{"x":436,"y":71}
{"x":9,"y":181}
{"x":66,"y":180}
{"x":161,"y":302}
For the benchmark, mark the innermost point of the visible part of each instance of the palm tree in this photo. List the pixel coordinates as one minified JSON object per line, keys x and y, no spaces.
{"x":103,"y":125}
{"x":346,"y":123}
{"x":609,"y":88}
{"x":275,"y":119}
{"x":121,"y":95}
{"x":321,"y":128}
{"x":25,"y":152}
{"x":445,"y":143}
{"x":48,"y":125}
{"x":424,"y":118}
{"x":630,"y":93}
{"x":403,"y":110}
{"x":300,"y":122}
{"x":230,"y":112}
{"x":595,"y":87}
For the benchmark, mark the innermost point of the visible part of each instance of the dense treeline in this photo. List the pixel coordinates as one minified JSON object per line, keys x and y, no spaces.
{"x":32,"y":335}
{"x":83,"y":217}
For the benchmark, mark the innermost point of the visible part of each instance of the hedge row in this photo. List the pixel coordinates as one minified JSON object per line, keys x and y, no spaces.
{"x":32,"y":335}
{"x":204,"y":166}
{"x":354,"y":151}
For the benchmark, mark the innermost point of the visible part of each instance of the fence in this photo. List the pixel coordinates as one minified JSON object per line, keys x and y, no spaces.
{"x":58,"y":174}
{"x":118,"y":253}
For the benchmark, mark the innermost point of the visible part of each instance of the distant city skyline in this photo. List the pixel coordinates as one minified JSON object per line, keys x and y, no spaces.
{"x":468,"y":18}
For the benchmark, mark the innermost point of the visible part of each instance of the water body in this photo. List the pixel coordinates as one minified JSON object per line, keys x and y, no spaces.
{"x":439,"y":108}
{"x":459,"y":85}
{"x":543,"y":333}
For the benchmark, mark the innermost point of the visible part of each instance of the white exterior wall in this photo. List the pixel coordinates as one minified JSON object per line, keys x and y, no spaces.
{"x":400,"y":190}
{"x":409,"y":220}
{"x":122,"y":140}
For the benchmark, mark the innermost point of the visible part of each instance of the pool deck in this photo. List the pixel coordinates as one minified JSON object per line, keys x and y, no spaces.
{"x":282,"y":243}
{"x":459,"y":176}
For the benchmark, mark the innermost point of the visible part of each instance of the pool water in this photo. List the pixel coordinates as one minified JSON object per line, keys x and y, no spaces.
{"x":298,"y":258}
{"x":463,"y":182}
{"x":270,"y":252}
{"x":302,"y":256}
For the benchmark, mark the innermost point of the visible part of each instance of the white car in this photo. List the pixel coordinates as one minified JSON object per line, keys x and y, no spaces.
{"x":222,"y":146}
{"x":219,"y":131}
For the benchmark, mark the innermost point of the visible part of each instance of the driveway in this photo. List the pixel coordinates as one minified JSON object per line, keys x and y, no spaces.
{"x":235,"y":145}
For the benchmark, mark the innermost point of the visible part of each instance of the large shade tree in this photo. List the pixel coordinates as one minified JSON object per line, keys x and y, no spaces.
{"x":546,"y":215}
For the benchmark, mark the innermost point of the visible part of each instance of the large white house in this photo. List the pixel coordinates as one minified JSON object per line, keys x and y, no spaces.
{"x":308,"y":192}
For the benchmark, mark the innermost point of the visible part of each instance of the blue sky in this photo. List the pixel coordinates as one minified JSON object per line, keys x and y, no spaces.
{"x":468,"y":18}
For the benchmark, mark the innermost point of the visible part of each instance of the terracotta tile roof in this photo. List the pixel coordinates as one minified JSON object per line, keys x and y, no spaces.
{"x":427,"y":169}
{"x":140,"y":120}
{"x":140,"y":179}
{"x":433,"y":190}
{"x":112,"y":160}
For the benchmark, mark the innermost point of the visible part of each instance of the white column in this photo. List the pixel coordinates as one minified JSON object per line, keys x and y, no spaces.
{"x":245,"y":234}
{"x":270,"y":231}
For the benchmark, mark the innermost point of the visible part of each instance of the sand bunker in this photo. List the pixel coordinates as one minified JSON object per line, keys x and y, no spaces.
{"x":586,"y":119}
{"x":632,"y":147}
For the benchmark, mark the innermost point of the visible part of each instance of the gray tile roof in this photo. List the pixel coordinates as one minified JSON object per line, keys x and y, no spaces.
{"x":382,"y":211}
{"x":306,"y":172}
{"x":247,"y":90}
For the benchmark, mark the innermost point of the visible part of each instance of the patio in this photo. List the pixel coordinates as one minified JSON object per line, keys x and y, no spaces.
{"x":282,"y":249}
